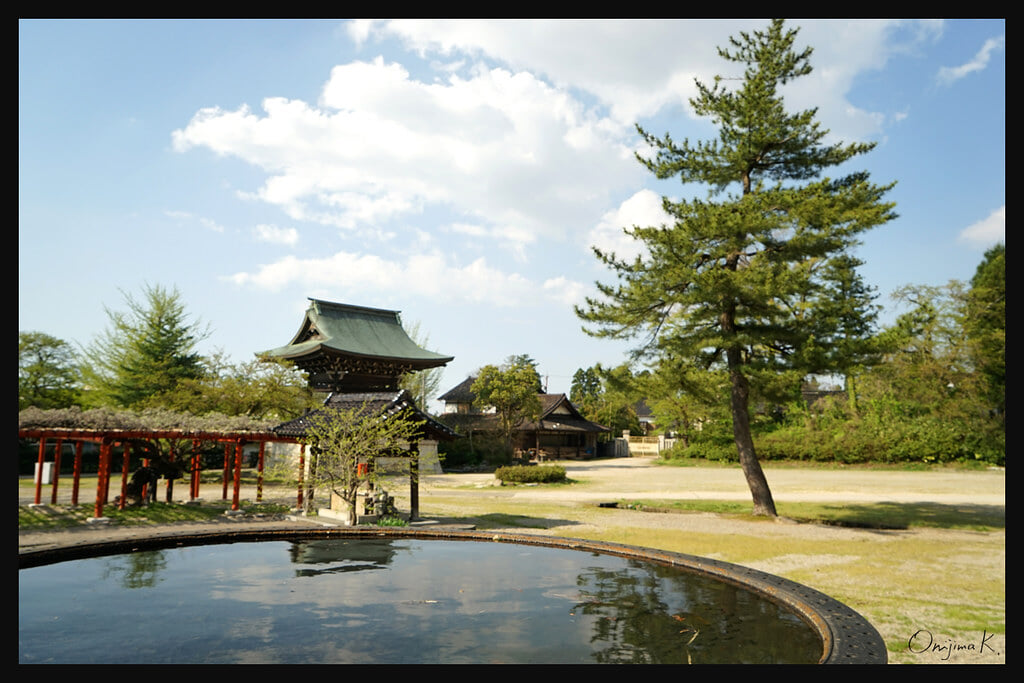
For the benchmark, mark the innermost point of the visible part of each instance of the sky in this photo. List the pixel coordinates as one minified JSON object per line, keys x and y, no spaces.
{"x":458,"y":171}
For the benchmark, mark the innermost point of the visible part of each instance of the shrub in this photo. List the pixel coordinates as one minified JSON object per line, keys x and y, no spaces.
{"x":541,"y":474}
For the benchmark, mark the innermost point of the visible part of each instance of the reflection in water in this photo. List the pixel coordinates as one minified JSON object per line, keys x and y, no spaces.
{"x":393,"y":601}
{"x":137,"y":570}
{"x":649,"y":614}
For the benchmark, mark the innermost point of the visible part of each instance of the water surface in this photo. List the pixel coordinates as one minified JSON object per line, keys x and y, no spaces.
{"x":393,"y":601}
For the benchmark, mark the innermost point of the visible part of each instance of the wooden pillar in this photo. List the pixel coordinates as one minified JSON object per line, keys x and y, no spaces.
{"x":39,"y":469}
{"x":311,"y":480}
{"x":238,"y":474}
{"x":227,"y":470}
{"x":193,"y":488}
{"x":259,"y":473}
{"x":78,"y":472}
{"x":302,"y":470}
{"x":56,"y":470}
{"x":125,"y":467}
{"x":102,"y":476}
{"x":414,"y":481}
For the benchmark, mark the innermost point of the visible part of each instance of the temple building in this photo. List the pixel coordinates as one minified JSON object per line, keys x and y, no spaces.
{"x":353,"y":349}
{"x":359,"y":355}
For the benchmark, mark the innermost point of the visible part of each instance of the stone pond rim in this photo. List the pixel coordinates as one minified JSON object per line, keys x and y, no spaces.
{"x":847,"y":637}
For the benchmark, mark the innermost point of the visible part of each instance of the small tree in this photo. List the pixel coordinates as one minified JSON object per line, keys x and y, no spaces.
{"x":512,"y":392}
{"x":341,"y":439}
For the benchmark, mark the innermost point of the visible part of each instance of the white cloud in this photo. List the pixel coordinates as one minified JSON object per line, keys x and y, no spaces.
{"x":643,"y":209}
{"x":211,"y":224}
{"x":428,"y":275}
{"x":497,"y":148}
{"x":276,"y":235}
{"x":640,"y":67}
{"x":950,"y":74}
{"x":208,"y":223}
{"x":986,"y":232}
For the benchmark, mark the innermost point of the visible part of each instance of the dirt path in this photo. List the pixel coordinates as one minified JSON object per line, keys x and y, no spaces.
{"x":641,"y":478}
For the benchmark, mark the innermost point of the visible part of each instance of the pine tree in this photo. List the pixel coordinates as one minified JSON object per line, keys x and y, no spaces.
{"x":730,"y":283}
{"x":844,"y":325}
{"x":146,"y":352}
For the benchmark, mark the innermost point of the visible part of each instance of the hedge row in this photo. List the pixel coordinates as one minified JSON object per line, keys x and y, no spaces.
{"x":923,"y":439}
{"x":530,"y":474}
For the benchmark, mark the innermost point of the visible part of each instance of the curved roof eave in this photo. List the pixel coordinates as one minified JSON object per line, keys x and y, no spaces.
{"x":356,"y":331}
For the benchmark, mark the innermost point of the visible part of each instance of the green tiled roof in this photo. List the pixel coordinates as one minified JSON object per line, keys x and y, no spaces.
{"x":356,"y":331}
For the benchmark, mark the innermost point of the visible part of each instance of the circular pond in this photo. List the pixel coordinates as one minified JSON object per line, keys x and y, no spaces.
{"x":402,"y":599}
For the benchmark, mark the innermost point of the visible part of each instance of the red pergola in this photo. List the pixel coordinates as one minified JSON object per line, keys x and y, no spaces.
{"x":108,"y":438}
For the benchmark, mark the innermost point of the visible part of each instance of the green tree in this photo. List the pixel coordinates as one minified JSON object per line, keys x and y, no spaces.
{"x":844,"y":322}
{"x":512,"y":391}
{"x":985,"y":323}
{"x":263,"y":389}
{"x":927,"y":366}
{"x":524,"y":361}
{"x":47,"y":372}
{"x":586,"y":386}
{"x":607,"y":397}
{"x":145,"y":352}
{"x":341,"y":439}
{"x":728,"y":284}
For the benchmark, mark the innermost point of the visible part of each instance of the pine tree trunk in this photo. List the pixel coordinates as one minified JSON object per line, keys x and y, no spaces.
{"x":763,"y":502}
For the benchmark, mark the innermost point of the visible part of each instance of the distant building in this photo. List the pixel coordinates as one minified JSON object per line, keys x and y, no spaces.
{"x":559,"y":432}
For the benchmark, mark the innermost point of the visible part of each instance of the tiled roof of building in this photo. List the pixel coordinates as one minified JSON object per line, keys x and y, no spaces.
{"x":356,"y":330}
{"x":370,"y":404}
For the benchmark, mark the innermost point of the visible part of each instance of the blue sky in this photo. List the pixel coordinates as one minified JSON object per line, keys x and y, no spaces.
{"x":457,"y":171}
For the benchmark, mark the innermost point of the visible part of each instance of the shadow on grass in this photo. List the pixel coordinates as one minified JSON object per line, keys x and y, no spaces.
{"x":504,"y":521}
{"x":889,"y":515}
{"x":884,"y":516}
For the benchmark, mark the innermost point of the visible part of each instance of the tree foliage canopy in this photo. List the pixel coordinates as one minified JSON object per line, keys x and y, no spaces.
{"x":48,"y":375}
{"x":342,"y":438}
{"x":985,"y":322}
{"x":259,"y":388}
{"x":146,"y":351}
{"x":733,"y":281}
{"x":512,"y":390}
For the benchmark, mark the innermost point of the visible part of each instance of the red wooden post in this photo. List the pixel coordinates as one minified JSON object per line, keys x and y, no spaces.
{"x":104,"y":473}
{"x":124,"y":475}
{"x":194,"y":484}
{"x":302,"y":469}
{"x":238,"y":474}
{"x":259,"y":474}
{"x":56,"y":470}
{"x":78,"y":472}
{"x":39,"y":468}
{"x":227,"y":469}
